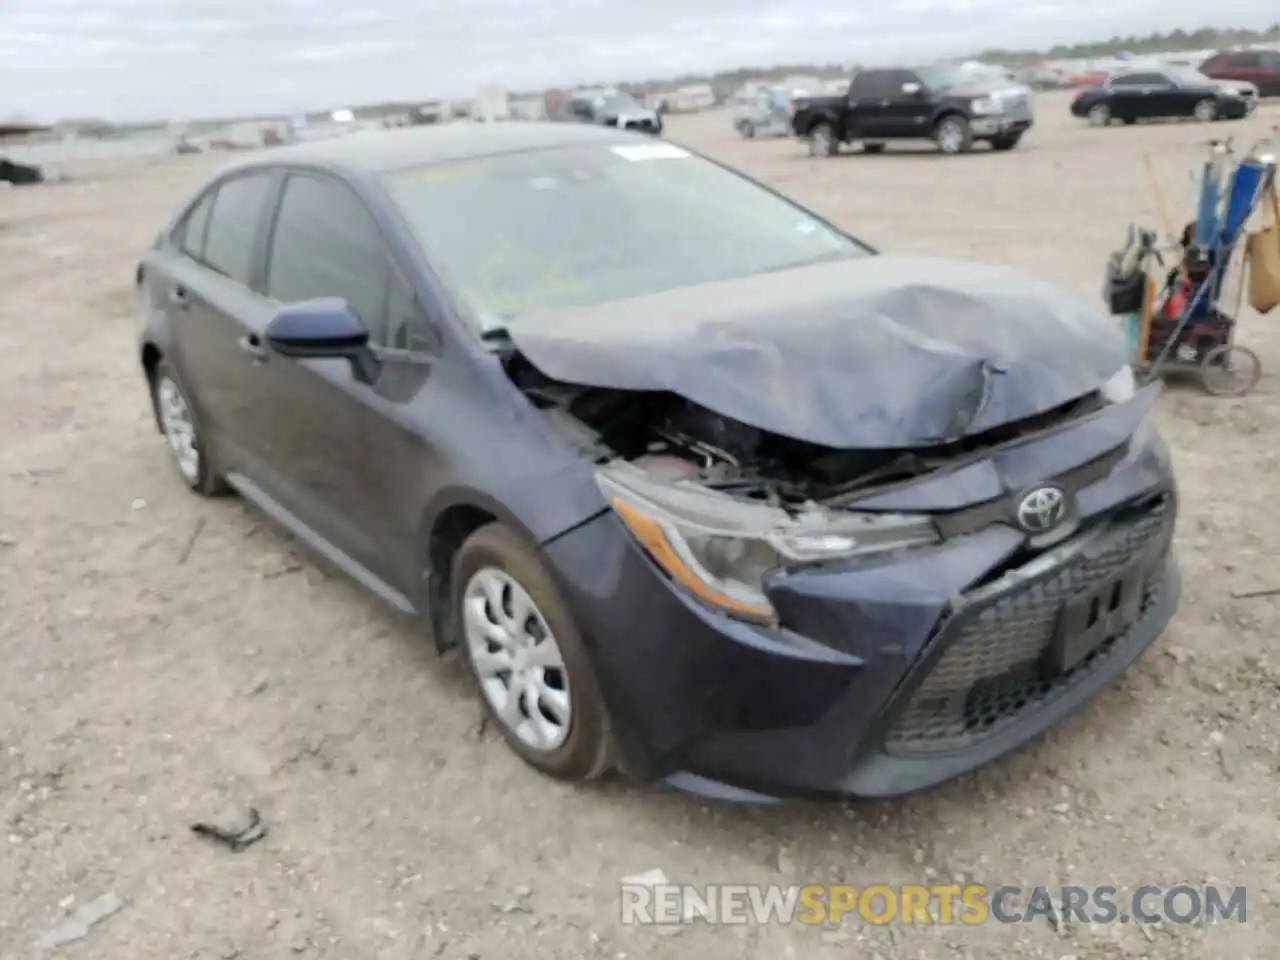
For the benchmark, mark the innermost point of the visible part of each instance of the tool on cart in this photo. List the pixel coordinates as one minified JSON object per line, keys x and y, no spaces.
{"x":1262,"y":253}
{"x":1180,"y":322}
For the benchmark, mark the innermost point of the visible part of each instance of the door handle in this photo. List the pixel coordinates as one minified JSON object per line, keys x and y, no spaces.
{"x":252,"y":344}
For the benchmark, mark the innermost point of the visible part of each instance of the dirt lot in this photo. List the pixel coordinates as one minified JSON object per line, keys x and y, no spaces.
{"x":150,"y":682}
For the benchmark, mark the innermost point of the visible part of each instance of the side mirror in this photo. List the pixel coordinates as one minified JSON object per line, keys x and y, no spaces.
{"x":911,"y":89}
{"x":320,"y":329}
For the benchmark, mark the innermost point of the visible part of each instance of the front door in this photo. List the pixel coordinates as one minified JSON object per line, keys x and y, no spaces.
{"x":907,"y":109}
{"x":326,"y":243}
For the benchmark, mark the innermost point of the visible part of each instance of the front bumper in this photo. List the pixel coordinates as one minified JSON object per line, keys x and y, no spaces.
{"x":998,"y":126}
{"x":1237,"y":108}
{"x":890,"y":675}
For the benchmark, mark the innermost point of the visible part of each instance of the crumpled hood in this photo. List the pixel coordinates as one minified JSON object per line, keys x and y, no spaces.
{"x":880,"y":351}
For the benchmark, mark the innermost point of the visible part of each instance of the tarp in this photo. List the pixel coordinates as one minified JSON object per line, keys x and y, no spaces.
{"x":881,"y":351}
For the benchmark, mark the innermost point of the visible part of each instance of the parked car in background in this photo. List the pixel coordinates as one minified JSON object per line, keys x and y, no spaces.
{"x":697,"y":484}
{"x":612,"y":109}
{"x":1147,"y":93}
{"x":1258,"y":67}
{"x":766,"y":113}
{"x":954,"y":108}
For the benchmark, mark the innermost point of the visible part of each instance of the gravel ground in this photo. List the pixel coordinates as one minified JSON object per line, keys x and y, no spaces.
{"x":153,"y":681}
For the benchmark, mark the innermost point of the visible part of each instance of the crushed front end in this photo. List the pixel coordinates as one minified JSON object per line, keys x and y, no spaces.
{"x":951,"y":635}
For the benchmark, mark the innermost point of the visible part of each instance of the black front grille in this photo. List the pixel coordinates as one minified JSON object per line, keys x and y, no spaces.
{"x":990,"y":671}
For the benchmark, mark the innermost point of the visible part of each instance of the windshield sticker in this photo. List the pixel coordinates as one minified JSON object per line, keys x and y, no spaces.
{"x":639,"y":152}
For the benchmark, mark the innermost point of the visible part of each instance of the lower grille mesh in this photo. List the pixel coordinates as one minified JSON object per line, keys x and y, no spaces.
{"x":990,"y":672}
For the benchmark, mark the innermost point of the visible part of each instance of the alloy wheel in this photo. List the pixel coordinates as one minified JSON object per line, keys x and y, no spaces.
{"x":1206,"y":111}
{"x":517,"y":660}
{"x":1100,"y":115}
{"x":179,"y":428}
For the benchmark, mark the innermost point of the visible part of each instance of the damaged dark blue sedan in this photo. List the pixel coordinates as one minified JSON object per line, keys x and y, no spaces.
{"x":701,"y":486}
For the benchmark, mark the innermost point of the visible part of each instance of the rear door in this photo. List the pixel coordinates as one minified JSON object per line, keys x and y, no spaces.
{"x":1138,"y":96}
{"x":328,"y":429}
{"x":1268,"y":75}
{"x":868,"y":100}
{"x":215,"y":311}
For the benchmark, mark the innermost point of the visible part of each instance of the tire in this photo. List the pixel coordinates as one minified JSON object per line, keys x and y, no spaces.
{"x":1230,"y":371}
{"x":747,"y":129}
{"x":1099,"y":115}
{"x":575,"y":747}
{"x":1006,"y":142}
{"x":1206,"y":111}
{"x":180,"y":426}
{"x":822,"y":141}
{"x":953,"y":135}
{"x":873,"y":148}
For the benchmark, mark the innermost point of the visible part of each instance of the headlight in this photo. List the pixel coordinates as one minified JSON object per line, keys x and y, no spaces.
{"x":1121,"y":386}
{"x":986,"y":105}
{"x":720,"y":548}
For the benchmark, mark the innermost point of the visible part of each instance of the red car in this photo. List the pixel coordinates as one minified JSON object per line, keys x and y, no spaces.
{"x":1259,"y":67}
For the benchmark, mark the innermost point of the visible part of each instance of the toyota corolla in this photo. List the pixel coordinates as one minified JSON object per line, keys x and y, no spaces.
{"x":702,"y":487}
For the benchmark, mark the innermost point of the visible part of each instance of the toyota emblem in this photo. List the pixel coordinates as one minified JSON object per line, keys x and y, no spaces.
{"x":1042,"y":509}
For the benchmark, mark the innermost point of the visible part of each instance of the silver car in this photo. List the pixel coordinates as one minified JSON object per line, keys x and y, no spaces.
{"x":766,"y":113}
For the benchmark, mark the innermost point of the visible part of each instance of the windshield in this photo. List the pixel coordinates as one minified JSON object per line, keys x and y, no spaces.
{"x":1188,"y":76}
{"x":950,"y":76}
{"x":574,"y":226}
{"x":616,"y":103}
{"x":943,"y":78}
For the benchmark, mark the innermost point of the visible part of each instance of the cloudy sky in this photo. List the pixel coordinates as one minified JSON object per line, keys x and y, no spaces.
{"x":133,"y":59}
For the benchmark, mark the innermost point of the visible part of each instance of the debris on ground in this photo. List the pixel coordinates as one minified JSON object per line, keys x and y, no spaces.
{"x":191,"y":540}
{"x":1251,"y":594}
{"x":77,"y":926}
{"x":235,"y":840}
{"x":19,"y":174}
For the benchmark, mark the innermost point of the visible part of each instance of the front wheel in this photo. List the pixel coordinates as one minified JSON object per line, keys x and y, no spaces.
{"x":747,"y":129}
{"x":1099,"y":115}
{"x":527,"y":657}
{"x":822,"y":141}
{"x":953,"y":135}
{"x":1005,"y":141}
{"x":1206,"y":111}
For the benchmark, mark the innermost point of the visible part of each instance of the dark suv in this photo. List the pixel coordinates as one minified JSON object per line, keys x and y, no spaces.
{"x":1259,"y":67}
{"x":950,"y":106}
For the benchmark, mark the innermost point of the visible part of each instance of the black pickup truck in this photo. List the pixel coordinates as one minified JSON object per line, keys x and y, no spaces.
{"x":951,"y":106}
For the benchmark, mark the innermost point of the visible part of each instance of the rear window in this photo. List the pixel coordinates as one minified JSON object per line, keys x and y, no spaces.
{"x":573,"y":226}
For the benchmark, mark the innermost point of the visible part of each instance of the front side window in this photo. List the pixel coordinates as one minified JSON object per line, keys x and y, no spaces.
{"x":581,"y":225}
{"x":1247,"y":61}
{"x":326,"y":244}
{"x":233,"y":226}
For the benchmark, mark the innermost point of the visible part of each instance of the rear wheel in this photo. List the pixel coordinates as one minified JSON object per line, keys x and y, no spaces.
{"x":181,"y":430}
{"x":1206,"y":110}
{"x":953,"y":134}
{"x":527,"y":657}
{"x":1230,"y":371}
{"x":1099,"y":115}
{"x":822,"y":141}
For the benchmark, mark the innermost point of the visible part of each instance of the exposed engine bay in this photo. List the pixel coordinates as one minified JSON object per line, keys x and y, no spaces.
{"x":672,"y":439}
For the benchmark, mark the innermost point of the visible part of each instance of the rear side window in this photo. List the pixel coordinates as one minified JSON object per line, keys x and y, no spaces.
{"x":871,"y":83}
{"x":1269,"y":59}
{"x":1247,"y":61}
{"x":233,"y":227}
{"x":192,"y":232}
{"x":326,"y":244}
{"x":1140,"y":80}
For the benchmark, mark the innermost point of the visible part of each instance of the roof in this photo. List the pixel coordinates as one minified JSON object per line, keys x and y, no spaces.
{"x":378,"y":151}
